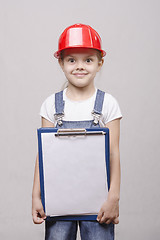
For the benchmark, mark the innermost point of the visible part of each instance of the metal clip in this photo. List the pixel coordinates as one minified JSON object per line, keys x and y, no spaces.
{"x":96,"y":117}
{"x":58,"y":118}
{"x":77,"y":132}
{"x":71,"y":132}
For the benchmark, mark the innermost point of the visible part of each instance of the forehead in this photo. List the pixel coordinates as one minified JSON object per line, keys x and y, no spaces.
{"x":79,"y":51}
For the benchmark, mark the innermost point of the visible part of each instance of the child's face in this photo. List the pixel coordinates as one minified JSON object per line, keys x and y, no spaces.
{"x":80,"y":66}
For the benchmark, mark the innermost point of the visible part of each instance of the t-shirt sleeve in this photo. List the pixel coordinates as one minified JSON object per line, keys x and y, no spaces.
{"x":47,"y":109}
{"x":111,"y":109}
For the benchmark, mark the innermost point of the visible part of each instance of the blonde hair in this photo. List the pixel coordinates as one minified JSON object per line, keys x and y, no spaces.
{"x":65,"y":85}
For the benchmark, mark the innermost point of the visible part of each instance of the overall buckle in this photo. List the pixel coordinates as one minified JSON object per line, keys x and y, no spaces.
{"x":58,"y":118}
{"x":96,"y":117}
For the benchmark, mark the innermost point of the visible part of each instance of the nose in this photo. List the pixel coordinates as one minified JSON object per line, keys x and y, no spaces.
{"x":79,"y":65}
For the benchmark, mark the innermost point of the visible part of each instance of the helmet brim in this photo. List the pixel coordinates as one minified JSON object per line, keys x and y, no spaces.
{"x":57,"y":53}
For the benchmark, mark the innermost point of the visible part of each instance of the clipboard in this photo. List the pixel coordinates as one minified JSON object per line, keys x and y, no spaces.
{"x":74,"y":170}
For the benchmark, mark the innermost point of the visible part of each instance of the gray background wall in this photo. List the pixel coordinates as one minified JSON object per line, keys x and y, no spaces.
{"x":29,"y":73}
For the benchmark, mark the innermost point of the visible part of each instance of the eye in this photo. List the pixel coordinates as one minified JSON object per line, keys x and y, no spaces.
{"x":88,"y":60}
{"x":72,"y":60}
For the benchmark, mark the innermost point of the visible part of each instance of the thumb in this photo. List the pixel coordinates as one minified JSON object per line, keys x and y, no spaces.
{"x":42,"y":213}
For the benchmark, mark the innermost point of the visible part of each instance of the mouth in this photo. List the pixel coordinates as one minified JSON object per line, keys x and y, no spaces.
{"x":80,"y":74}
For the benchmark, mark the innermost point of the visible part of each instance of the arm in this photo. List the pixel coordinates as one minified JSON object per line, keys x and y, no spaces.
{"x":109,"y":211}
{"x":38,"y":214}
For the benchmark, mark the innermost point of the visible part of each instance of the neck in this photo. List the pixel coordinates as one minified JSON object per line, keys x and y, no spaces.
{"x":80,"y":93}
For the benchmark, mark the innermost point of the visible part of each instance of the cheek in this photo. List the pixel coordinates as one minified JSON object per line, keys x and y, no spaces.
{"x":93,"y":69}
{"x":68,"y":68}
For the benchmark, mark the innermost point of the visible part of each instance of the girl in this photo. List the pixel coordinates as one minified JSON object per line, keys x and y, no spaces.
{"x":82,"y":105}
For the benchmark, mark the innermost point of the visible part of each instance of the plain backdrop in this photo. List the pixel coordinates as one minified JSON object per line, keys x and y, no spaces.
{"x":29,"y":32}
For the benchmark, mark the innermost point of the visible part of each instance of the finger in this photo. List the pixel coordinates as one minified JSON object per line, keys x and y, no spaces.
{"x":108,"y":221}
{"x":100,"y":214}
{"x":42,"y":213}
{"x":115,"y":220}
{"x":103,"y":219}
{"x":36,"y":218}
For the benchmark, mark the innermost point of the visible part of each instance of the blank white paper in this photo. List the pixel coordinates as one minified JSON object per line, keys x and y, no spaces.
{"x":75,"y":178}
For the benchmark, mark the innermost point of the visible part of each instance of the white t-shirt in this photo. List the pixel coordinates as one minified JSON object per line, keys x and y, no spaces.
{"x":81,"y":110}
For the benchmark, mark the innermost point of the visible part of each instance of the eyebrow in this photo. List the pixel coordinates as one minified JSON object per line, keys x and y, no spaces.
{"x":91,"y":55}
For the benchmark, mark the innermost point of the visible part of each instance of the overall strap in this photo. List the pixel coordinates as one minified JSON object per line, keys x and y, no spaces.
{"x":59,"y":107}
{"x":97,"y":111}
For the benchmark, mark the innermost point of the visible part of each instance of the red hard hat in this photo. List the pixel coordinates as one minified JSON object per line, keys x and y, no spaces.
{"x":79,"y":35}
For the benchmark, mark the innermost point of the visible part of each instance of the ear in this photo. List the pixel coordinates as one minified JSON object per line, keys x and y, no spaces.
{"x":60,"y":61}
{"x":100,"y":64}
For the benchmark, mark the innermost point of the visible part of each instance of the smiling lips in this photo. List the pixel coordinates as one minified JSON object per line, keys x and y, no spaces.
{"x":80,"y":74}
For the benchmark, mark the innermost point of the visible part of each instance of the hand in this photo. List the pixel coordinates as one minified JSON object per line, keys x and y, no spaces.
{"x":38,"y":214}
{"x":109,"y":211}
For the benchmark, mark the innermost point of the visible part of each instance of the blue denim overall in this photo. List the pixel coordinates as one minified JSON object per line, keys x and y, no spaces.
{"x":89,"y":230}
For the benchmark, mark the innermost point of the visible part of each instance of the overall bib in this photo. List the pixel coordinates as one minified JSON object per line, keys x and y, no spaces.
{"x":89,"y":230}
